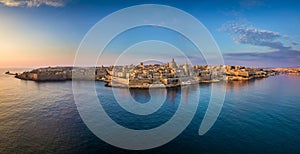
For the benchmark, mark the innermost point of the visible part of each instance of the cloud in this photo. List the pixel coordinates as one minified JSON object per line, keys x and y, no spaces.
{"x":287,"y":58}
{"x":33,"y":3}
{"x":295,"y":43}
{"x":249,"y":35}
{"x":251,"y":3}
{"x":279,"y":55}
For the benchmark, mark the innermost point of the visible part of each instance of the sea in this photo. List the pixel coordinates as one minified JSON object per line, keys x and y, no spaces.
{"x":258,"y":116}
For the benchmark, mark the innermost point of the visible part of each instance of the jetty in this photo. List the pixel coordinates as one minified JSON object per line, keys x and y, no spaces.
{"x":9,"y":73}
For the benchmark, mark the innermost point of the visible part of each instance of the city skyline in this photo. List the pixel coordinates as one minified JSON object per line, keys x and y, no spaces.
{"x":249,"y":33}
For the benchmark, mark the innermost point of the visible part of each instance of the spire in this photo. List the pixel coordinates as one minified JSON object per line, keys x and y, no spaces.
{"x":172,"y":64}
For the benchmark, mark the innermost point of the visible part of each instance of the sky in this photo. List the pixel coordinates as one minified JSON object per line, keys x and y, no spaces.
{"x":255,"y":33}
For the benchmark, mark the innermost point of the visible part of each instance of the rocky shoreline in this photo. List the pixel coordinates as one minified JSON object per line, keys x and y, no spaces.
{"x":150,"y":76}
{"x":294,"y":71}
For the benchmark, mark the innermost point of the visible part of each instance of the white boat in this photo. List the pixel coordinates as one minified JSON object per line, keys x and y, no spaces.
{"x":186,"y":82}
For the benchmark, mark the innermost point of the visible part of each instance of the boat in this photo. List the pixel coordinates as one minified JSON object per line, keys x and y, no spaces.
{"x":186,"y":82}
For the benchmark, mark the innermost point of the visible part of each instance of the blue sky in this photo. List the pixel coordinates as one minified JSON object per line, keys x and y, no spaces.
{"x":48,"y":32}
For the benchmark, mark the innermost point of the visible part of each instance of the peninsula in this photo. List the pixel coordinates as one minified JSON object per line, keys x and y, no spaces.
{"x":153,"y":75}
